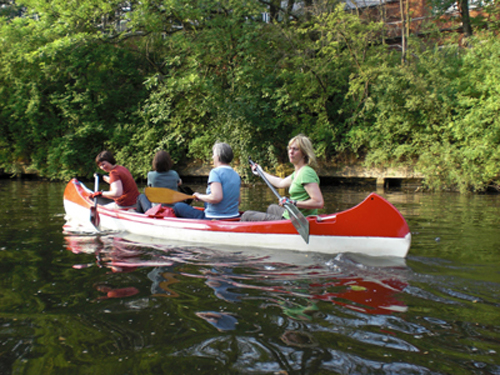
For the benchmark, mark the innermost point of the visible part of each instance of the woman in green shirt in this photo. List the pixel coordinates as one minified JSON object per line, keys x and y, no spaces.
{"x":303,"y":184}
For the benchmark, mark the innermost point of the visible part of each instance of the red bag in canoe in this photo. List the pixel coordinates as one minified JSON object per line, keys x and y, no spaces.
{"x":160,"y":211}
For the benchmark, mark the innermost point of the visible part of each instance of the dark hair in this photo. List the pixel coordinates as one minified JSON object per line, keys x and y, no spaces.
{"x":105,"y":156}
{"x":162,"y":161}
{"x":223,"y":151}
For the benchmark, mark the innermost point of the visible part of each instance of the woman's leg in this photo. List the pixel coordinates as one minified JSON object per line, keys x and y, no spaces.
{"x":273,"y":213}
{"x":185,"y":210}
{"x":275,"y":210}
{"x":143,"y":203}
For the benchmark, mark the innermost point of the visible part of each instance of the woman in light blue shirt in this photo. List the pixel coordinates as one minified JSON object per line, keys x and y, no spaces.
{"x":222,"y":197}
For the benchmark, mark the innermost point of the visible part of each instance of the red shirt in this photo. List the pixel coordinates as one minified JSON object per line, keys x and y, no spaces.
{"x":130,"y":191}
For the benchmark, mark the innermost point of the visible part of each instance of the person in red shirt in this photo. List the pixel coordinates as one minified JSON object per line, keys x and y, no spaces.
{"x":123,"y":189}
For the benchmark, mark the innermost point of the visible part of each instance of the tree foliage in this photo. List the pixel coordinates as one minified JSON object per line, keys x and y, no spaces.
{"x":438,"y":115}
{"x":134,"y":77}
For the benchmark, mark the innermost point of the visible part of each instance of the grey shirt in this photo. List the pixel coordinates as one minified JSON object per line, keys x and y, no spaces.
{"x":168,"y":179}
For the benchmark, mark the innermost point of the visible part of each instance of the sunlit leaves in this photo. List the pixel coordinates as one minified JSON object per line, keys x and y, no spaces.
{"x":438,"y":114}
{"x":79,"y":76}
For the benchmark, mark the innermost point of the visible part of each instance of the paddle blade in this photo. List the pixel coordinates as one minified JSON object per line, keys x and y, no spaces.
{"x":94,"y":216}
{"x":299,"y":221}
{"x":164,"y":195}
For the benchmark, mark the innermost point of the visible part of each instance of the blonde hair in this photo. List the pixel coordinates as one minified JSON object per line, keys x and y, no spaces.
{"x":305,"y":145}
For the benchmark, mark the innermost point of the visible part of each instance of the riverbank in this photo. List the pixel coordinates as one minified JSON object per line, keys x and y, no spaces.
{"x":332,"y":174}
{"x":351,"y":174}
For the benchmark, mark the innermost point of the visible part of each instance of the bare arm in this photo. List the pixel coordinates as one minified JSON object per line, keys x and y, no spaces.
{"x":280,"y":183}
{"x":115,"y":189}
{"x":215,"y":195}
{"x":316,"y":197}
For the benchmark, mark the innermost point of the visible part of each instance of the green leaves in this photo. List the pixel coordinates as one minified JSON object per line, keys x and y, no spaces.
{"x":60,"y":101}
{"x":437,"y":114}
{"x":80,"y":76}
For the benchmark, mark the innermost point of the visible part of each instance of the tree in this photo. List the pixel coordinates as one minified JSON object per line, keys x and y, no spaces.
{"x":463,"y":7}
{"x":441,"y":8}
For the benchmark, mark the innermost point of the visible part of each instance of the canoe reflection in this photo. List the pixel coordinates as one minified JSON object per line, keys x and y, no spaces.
{"x":294,"y":287}
{"x":116,"y":292}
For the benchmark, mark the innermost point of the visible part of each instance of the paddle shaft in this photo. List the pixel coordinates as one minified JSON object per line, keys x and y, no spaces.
{"x":93,"y":210}
{"x":261,"y":174}
{"x":96,"y":183}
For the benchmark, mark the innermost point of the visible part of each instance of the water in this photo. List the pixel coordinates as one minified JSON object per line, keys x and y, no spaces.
{"x":116,"y":305}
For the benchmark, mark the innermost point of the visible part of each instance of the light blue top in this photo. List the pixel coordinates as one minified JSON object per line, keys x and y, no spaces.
{"x":169,"y":179}
{"x":231,"y":183}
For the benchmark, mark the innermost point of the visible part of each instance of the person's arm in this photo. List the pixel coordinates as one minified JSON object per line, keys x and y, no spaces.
{"x":280,"y":183}
{"x":316,"y":197}
{"x":115,"y":189}
{"x":215,"y":195}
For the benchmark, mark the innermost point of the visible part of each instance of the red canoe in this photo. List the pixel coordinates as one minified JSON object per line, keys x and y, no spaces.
{"x":374,"y":227}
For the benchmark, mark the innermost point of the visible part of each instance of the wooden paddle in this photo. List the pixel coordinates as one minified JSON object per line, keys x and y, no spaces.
{"x":94,"y":216}
{"x":164,"y":195}
{"x":298,"y":220}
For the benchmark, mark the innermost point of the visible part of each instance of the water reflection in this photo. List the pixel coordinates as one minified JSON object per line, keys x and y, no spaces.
{"x":300,"y":297}
{"x":287,"y":313}
{"x":221,"y":321}
{"x":232,"y":275}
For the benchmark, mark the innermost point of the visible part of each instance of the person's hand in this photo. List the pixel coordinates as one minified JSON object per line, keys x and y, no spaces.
{"x":255,"y":168}
{"x":196,"y":196}
{"x":96,"y":194}
{"x":286,"y":200}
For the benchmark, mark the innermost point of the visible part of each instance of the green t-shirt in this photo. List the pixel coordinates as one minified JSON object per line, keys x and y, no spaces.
{"x":306,"y":175}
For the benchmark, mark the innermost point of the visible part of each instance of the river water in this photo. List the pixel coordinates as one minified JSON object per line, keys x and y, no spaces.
{"x":73,"y":304}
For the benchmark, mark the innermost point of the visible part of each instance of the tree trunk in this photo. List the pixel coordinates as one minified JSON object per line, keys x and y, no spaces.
{"x":463,"y":6}
{"x":403,"y":31}
{"x":274,"y":8}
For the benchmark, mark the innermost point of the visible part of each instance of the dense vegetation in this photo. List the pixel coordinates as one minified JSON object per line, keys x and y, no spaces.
{"x":80,"y":76}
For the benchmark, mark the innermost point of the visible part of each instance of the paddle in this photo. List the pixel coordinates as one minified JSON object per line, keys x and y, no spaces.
{"x":298,"y":220}
{"x":164,"y":195}
{"x":94,"y":217}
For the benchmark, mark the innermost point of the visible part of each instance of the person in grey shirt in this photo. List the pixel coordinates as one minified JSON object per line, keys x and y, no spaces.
{"x":161,"y":176}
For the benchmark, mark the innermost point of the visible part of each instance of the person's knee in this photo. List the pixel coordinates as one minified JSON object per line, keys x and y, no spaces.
{"x":247,"y":216}
{"x":143,"y":203}
{"x":178,"y":209}
{"x":252,"y":216}
{"x":275,"y":210}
